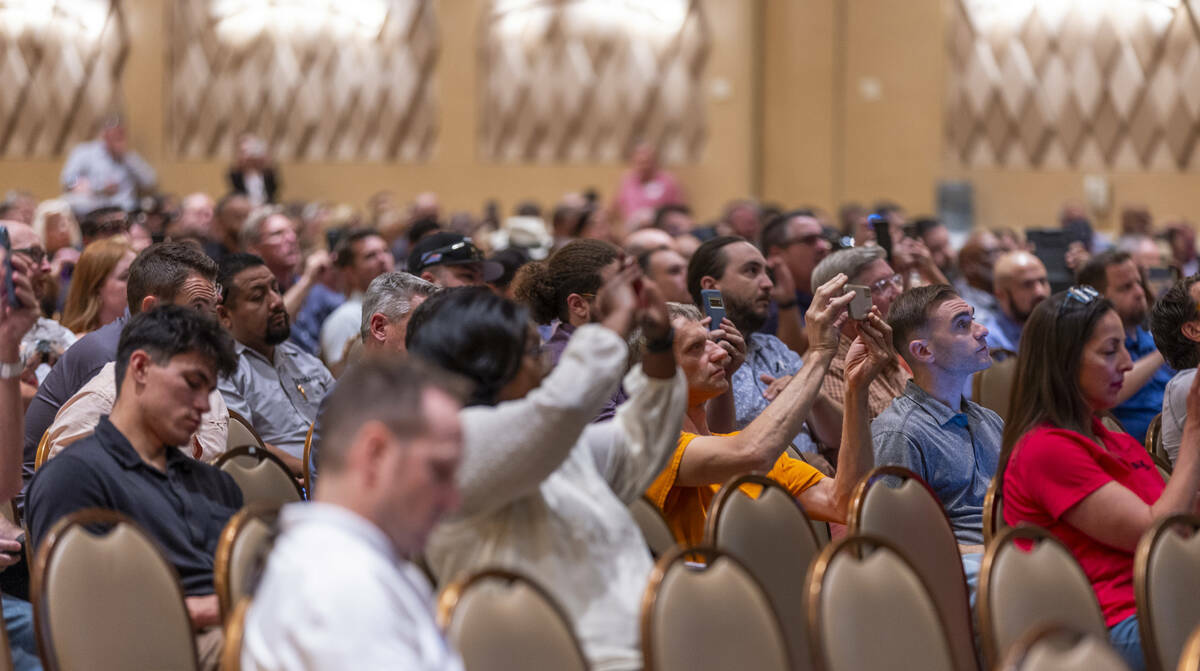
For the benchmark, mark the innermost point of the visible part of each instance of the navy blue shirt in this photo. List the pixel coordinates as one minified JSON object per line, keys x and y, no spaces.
{"x":183,"y":509}
{"x":306,"y":326}
{"x":1137,"y":413}
{"x":771,"y":326}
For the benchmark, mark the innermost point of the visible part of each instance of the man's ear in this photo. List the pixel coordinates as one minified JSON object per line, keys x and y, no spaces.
{"x":1191,"y":330}
{"x":430,"y":277}
{"x":578,"y":306}
{"x":709,"y":282}
{"x":919,"y":350}
{"x":224,"y":317}
{"x":377,"y":327}
{"x":149,"y":303}
{"x":139,"y":363}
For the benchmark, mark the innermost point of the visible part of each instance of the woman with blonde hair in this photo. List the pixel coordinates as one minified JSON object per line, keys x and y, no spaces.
{"x":97,"y":293}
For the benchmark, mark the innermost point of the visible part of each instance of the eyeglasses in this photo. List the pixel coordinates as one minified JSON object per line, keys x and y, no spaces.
{"x":1081,"y":294}
{"x":35,"y":254}
{"x":463,"y":250}
{"x":895,"y":281}
{"x":809,"y":240}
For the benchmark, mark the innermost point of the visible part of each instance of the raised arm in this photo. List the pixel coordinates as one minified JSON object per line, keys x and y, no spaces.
{"x":1143,"y":370}
{"x":714,"y":459}
{"x":14,"y":323}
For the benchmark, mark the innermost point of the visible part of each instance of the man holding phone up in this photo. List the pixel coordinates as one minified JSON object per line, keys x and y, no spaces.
{"x":18,"y":313}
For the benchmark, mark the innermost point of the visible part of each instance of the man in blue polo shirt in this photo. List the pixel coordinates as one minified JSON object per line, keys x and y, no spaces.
{"x":168,"y":361}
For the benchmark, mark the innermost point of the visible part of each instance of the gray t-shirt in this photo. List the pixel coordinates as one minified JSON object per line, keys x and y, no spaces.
{"x":1174,"y":411}
{"x":955,"y":452}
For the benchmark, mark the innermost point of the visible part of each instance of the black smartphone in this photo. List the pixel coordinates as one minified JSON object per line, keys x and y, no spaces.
{"x":883,"y":233}
{"x":10,"y":294}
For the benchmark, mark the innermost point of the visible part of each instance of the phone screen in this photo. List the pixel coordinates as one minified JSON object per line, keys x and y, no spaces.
{"x":10,"y":294}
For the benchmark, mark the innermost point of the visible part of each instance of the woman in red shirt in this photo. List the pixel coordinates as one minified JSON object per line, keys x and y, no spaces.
{"x":1094,"y":489}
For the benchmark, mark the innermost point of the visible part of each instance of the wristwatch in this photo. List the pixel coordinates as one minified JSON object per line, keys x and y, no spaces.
{"x":11,"y":371}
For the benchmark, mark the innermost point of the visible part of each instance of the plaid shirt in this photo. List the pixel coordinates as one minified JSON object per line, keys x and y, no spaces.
{"x":881,"y":393}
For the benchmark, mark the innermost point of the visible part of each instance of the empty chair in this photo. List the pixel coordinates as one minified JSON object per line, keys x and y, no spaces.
{"x":653,"y":525}
{"x":1058,"y":648}
{"x":242,"y":550}
{"x":771,"y":536}
{"x":260,"y":475}
{"x":895,"y":504}
{"x":235,"y":630}
{"x":108,"y":601}
{"x":1166,"y":584}
{"x":992,"y":386}
{"x":1021,"y":590}
{"x":241,"y":433}
{"x":868,"y":609}
{"x":502,"y":621}
{"x":703,"y":611}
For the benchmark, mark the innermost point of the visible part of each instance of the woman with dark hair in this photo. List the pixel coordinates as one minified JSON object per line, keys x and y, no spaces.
{"x":1094,"y":489}
{"x":542,"y":490}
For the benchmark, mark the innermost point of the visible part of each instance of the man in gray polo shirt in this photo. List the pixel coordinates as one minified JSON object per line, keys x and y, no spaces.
{"x":277,"y":386}
{"x":931,"y":429}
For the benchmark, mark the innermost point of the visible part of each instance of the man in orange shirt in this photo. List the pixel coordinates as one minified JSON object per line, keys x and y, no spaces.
{"x":702,"y":460}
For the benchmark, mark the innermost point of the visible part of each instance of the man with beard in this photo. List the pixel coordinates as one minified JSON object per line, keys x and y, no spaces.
{"x":738,"y":270}
{"x":1116,"y":275}
{"x":794,"y":245}
{"x":863,"y":266}
{"x":277,"y":386}
{"x":977,"y":263}
{"x":1020,"y":284}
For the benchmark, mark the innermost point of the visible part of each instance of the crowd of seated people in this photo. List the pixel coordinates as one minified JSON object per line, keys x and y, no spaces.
{"x":481,"y":391}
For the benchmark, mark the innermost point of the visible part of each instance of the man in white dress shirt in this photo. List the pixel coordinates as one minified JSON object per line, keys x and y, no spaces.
{"x":337,"y":591}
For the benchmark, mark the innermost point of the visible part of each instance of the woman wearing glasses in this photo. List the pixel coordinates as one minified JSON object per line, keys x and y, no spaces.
{"x":1096,"y":490}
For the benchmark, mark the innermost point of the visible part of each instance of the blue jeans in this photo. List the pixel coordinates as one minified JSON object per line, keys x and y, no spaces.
{"x":18,"y":620}
{"x":1126,"y":638}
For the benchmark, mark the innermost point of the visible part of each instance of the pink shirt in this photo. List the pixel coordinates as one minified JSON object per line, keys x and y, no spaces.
{"x":634,"y":195}
{"x":1053,"y":469}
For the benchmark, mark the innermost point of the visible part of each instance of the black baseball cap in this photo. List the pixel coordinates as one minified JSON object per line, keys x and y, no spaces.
{"x":445,"y":248}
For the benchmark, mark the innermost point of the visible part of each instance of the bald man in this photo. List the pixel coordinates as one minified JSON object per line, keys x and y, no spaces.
{"x":1020,"y":284}
{"x":977,"y":265}
{"x":645,"y":239}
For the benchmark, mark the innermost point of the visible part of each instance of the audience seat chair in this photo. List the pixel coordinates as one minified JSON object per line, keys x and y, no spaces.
{"x":770,"y":534}
{"x":235,"y":631}
{"x":1190,"y":659}
{"x":703,"y":611}
{"x":1166,"y":584}
{"x":1059,"y":648}
{"x":1154,"y":446}
{"x":499,"y":620}
{"x":869,"y":609}
{"x":241,"y":553}
{"x":241,"y":433}
{"x":895,"y":504}
{"x":261,"y":475}
{"x":108,"y":601}
{"x":993,"y":506}
{"x":306,"y":461}
{"x":43,"y":451}
{"x":992,"y":386}
{"x":655,"y":528}
{"x":1029,"y":579}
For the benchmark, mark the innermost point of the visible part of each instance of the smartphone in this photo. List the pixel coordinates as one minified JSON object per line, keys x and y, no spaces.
{"x":10,"y":294}
{"x":860,"y":305}
{"x":883,"y":233}
{"x":714,"y":306}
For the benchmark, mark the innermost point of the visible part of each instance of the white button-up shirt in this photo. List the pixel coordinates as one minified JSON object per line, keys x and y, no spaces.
{"x":335,"y":595}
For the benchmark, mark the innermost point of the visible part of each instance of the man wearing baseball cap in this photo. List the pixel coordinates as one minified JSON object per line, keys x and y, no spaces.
{"x":451,"y":260}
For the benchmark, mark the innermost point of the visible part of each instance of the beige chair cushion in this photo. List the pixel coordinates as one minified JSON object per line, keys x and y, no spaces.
{"x":499,"y":625}
{"x":991,"y":387}
{"x":1064,"y":650}
{"x":1038,"y":588}
{"x":240,"y":435}
{"x":113,"y":603}
{"x":653,"y":525}
{"x":1173,"y":585}
{"x":714,"y":618}
{"x":911,"y":517}
{"x":875,"y":614}
{"x":771,"y":536}
{"x":261,"y":479}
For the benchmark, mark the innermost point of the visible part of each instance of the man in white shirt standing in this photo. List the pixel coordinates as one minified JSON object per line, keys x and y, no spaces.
{"x":337,"y":591}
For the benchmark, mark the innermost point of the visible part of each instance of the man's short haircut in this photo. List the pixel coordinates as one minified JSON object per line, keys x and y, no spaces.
{"x":251,"y":233}
{"x":849,"y":262}
{"x":92,"y":223}
{"x":1095,"y":271}
{"x":225,"y":200}
{"x":1173,"y":309}
{"x":383,"y":388}
{"x":231,"y":266}
{"x":924,"y":225}
{"x":170,"y":330}
{"x":343,"y":251}
{"x":664,"y":211}
{"x":391,"y":295}
{"x":775,"y":233}
{"x":911,"y":311}
{"x":685,"y":310}
{"x":709,"y":260}
{"x":160,"y":270}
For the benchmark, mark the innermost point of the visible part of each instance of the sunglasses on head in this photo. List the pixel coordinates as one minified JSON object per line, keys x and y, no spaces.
{"x":1081,"y":294}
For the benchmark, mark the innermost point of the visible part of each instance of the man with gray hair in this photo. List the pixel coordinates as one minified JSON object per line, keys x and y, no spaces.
{"x":864,"y":266}
{"x":386,"y":308}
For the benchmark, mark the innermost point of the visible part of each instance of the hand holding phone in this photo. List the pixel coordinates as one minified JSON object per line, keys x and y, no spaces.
{"x":713,"y":306}
{"x":860,"y":305}
{"x":10,"y":293}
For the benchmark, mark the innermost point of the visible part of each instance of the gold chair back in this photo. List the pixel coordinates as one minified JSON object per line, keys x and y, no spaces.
{"x":1166,"y":584}
{"x":261,"y":475}
{"x":241,"y":554}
